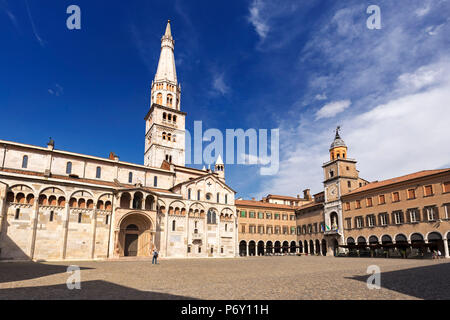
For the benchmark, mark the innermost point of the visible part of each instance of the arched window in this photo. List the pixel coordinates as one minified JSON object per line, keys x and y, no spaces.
{"x":155,"y":181}
{"x":98,"y":174}
{"x":170,"y":159}
{"x":211,"y":217}
{"x":159,"y":98}
{"x":130,"y":177}
{"x":173,"y":225}
{"x":169,"y":117}
{"x":189,"y":194}
{"x":169,"y":137}
{"x":198,"y":194}
{"x":226,"y":199}
{"x":69,"y":167}
{"x":164,"y":116}
{"x":25,"y":162}
{"x":174,"y":118}
{"x":218,"y":197}
{"x":164,"y":136}
{"x":169,"y":100}
{"x":174,"y":138}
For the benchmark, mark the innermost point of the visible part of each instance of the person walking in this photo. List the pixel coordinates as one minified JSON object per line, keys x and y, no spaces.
{"x":155,"y":256}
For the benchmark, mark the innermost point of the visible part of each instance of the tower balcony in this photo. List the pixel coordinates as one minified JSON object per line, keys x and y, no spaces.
{"x":169,"y":123}
{"x":197,"y":236}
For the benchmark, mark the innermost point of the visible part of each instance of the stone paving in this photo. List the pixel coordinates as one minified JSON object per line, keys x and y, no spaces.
{"x":274,"y":278}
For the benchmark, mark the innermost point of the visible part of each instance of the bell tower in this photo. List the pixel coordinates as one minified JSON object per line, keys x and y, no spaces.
{"x":340,"y":177}
{"x":165,"y":123}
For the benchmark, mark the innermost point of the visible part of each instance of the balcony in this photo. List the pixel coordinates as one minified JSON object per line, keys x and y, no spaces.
{"x":197,"y":236}
{"x":332,"y":231}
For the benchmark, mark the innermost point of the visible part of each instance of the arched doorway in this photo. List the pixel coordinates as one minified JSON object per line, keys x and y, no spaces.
{"x":277,"y":247}
{"x":335,"y":247}
{"x":243,"y":248}
{"x":311,"y":247}
{"x":293,"y":247}
{"x":269,"y":247}
{"x":324,"y":247}
{"x":418,"y":247}
{"x":131,"y":241}
{"x":435,"y":242}
{"x":306,"y":247}
{"x":285,"y":247}
{"x":260,"y":248}
{"x":300,"y":246}
{"x":135,"y":237}
{"x":317,"y":246}
{"x":252,"y":248}
{"x":374,"y":246}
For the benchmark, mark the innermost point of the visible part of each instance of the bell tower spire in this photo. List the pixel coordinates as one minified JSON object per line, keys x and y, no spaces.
{"x":165,"y":88}
{"x":165,"y":123}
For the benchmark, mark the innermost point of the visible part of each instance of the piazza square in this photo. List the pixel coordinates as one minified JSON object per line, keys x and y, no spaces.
{"x":246,"y":278}
{"x":351,"y":200}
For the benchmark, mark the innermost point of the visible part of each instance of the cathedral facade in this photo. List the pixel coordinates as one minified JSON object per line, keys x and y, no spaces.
{"x":57,"y":205}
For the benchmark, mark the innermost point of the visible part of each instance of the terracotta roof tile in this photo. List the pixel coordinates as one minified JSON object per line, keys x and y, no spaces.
{"x":252,"y":203}
{"x":383,"y":183}
{"x":274,"y":196}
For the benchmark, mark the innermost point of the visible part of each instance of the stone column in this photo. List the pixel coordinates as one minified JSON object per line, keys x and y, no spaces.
{"x":446,"y":253}
{"x":236,"y":236}
{"x":94,"y":230}
{"x":187,"y":232}
{"x":2,"y":210}
{"x":166,"y":230}
{"x":205,"y":235}
{"x":218,"y":244}
{"x":33,"y":225}
{"x":65,"y":228}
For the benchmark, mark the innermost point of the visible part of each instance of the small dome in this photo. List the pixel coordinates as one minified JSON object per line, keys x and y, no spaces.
{"x":338,"y":142}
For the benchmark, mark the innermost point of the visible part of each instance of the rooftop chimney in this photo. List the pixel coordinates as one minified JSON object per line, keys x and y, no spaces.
{"x":307,"y":194}
{"x":51,"y":144}
{"x":113,"y":156}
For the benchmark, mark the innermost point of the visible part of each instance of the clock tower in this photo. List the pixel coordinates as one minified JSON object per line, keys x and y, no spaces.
{"x":340,"y":177}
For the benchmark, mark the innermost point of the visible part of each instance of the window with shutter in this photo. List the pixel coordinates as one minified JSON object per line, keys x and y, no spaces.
{"x":428,"y":190}
{"x":446,"y":186}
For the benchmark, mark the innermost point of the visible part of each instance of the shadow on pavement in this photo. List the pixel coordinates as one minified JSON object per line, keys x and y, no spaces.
{"x":90,"y":290}
{"x":18,"y":271}
{"x":428,"y":282}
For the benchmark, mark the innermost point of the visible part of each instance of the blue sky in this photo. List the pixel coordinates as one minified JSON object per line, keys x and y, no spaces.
{"x":301,"y":66}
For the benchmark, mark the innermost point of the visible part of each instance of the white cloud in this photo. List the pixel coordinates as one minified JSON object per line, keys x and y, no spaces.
{"x":333,"y":108}
{"x":255,"y":18}
{"x":434,"y":30}
{"x":57,"y":90}
{"x":35,"y":32}
{"x":270,"y":19}
{"x":253,"y":159}
{"x":321,"y":97}
{"x":422,"y":77}
{"x":405,"y":134}
{"x":219,"y":83}
{"x":420,"y":12}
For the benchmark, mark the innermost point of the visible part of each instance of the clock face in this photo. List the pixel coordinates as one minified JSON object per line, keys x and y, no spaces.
{"x":332,"y":191}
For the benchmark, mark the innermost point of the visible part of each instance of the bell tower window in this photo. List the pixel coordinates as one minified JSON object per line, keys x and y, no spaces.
{"x":169,"y":100}
{"x":159,"y":98}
